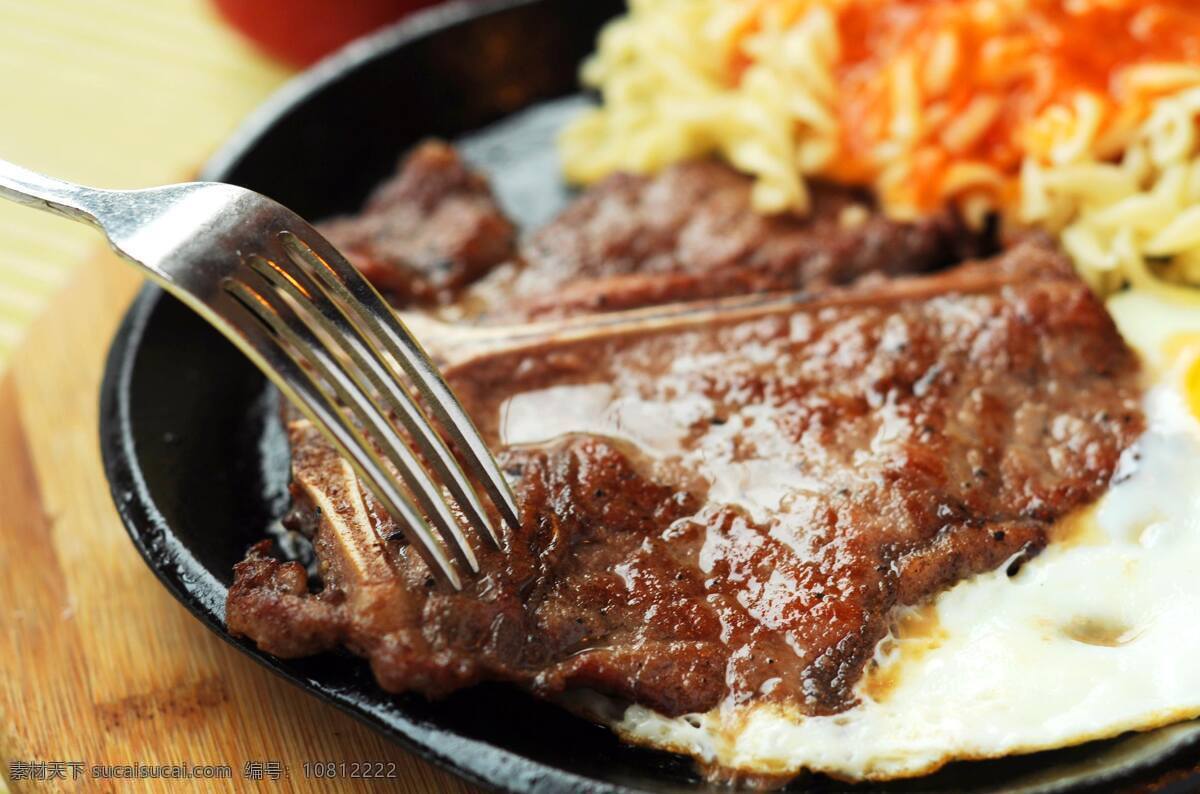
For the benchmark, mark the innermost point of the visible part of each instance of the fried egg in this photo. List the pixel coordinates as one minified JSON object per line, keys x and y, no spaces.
{"x":1094,"y":637}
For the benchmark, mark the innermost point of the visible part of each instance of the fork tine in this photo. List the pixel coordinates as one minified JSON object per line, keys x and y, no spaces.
{"x":293,"y":327}
{"x":302,"y":347}
{"x":256,"y":338}
{"x":364,"y":305}
{"x":338,"y":326}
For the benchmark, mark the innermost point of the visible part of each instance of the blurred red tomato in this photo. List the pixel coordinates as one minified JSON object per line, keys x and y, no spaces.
{"x":301,"y":31}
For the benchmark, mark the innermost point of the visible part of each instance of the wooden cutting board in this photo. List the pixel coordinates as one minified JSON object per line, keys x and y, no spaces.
{"x":98,"y":663}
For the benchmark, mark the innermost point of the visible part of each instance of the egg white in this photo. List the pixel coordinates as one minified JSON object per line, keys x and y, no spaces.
{"x":1096,"y":636}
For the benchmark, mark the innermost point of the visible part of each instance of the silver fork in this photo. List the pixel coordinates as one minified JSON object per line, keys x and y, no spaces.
{"x":269,"y":282}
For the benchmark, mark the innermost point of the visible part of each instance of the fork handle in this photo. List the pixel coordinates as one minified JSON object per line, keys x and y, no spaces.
{"x":46,"y":193}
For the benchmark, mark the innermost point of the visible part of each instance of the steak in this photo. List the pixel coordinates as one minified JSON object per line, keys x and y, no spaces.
{"x":427,"y":232}
{"x":435,"y":229}
{"x":690,"y":233}
{"x":727,"y":511}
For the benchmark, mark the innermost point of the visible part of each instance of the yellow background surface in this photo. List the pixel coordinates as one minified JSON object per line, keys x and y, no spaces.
{"x":112,"y":93}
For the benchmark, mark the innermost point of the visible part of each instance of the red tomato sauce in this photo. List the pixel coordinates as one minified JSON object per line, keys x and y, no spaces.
{"x":1027,"y":54}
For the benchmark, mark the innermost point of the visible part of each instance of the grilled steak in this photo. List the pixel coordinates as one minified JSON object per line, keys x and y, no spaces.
{"x":691,"y":233}
{"x":685,"y":234}
{"x":728,"y":511}
{"x":427,"y":232}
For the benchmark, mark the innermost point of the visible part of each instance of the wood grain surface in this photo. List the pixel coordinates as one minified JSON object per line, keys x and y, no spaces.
{"x":113,"y":93}
{"x":98,"y":663}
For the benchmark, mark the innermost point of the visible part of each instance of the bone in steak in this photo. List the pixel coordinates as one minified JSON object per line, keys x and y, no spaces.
{"x":741,"y":503}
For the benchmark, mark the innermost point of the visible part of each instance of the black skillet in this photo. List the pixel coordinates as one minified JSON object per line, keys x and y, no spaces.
{"x":198,"y":465}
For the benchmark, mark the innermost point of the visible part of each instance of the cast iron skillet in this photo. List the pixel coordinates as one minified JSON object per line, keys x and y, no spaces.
{"x":198,"y":463}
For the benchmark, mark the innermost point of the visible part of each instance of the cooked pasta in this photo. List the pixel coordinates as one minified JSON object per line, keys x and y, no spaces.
{"x":663,"y":71}
{"x":1078,"y":116}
